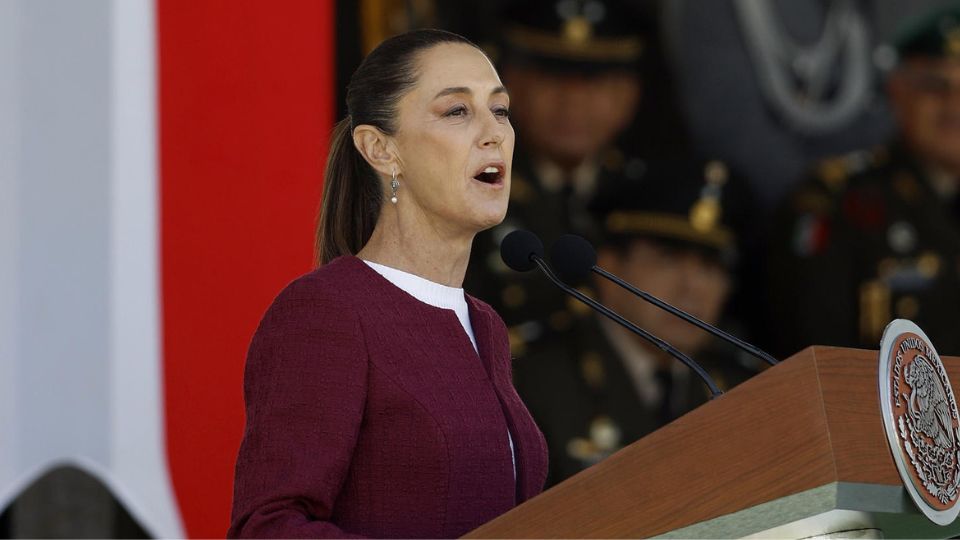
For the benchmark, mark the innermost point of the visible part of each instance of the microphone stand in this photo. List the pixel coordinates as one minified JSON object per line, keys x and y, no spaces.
{"x":609,"y":313}
{"x":687,"y":317}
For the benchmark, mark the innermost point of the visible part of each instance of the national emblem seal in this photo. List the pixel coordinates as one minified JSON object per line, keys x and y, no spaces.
{"x":921,"y":420}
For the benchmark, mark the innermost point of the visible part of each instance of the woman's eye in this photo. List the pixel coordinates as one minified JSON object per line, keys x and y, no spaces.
{"x":457,"y":111}
{"x":502,"y":112}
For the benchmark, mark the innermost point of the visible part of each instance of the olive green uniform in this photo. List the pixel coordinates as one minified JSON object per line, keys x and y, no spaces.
{"x":585,"y":401}
{"x":594,"y":389}
{"x":869,"y":239}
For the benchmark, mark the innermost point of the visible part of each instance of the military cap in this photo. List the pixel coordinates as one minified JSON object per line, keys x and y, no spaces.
{"x":934,"y":34}
{"x":684,"y":201}
{"x":581,"y":36}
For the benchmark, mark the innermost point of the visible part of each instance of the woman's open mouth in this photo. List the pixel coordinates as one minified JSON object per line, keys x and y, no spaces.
{"x":491,"y":174}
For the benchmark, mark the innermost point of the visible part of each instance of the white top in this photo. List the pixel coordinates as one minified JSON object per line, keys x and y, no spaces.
{"x":440,"y":296}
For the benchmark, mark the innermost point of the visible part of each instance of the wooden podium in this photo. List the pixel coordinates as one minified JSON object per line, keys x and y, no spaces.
{"x":797,"y":451}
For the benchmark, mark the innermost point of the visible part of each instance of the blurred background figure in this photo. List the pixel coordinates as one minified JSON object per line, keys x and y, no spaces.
{"x":672,"y":234}
{"x":572,"y":69}
{"x":875,"y":235}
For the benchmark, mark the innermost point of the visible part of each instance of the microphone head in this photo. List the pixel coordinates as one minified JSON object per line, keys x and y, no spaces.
{"x":517,"y":249}
{"x":572,"y":257}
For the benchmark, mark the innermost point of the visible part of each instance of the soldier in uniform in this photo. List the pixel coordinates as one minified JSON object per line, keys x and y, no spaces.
{"x":572,"y":70}
{"x":670,"y":234}
{"x":876,"y":234}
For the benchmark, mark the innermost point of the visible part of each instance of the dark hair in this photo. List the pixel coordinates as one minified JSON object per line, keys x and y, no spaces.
{"x":352,"y":194}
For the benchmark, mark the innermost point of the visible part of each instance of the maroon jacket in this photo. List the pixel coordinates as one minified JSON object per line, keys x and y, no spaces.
{"x":370,"y":413}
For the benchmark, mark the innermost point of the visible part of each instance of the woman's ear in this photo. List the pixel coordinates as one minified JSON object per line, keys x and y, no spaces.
{"x":375,"y":147}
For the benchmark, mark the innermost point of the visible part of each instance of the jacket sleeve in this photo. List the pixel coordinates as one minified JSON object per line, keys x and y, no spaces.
{"x":304,"y":389}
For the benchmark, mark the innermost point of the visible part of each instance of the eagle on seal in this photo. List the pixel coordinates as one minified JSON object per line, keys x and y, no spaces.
{"x":927,"y":403}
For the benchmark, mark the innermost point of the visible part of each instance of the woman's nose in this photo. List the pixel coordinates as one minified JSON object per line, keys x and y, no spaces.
{"x":493,"y":139}
{"x":493,"y":132}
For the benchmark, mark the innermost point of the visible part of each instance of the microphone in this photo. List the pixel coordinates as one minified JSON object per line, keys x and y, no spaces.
{"x":522,"y":251}
{"x":519,"y":248}
{"x":574,"y":258}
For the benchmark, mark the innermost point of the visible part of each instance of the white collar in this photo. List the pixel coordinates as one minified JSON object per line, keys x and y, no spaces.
{"x":424,"y":290}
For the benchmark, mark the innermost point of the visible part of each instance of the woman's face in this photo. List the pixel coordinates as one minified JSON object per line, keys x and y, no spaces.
{"x":455,"y":142}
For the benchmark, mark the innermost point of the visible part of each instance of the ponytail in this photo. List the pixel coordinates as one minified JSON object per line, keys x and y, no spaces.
{"x":351,"y":199}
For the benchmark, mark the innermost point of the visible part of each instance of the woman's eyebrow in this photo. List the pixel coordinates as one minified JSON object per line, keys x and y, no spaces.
{"x":465,"y":90}
{"x":453,"y":90}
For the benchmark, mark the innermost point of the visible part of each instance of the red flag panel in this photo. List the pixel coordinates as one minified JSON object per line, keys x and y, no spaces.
{"x":246,"y":104}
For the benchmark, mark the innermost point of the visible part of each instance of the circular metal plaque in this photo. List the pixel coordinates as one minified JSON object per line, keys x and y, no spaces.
{"x":921,"y":420}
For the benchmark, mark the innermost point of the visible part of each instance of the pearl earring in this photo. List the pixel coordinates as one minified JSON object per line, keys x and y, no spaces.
{"x":394,"y":184}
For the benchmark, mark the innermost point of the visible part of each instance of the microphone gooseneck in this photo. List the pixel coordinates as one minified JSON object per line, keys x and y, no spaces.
{"x":616,"y":317}
{"x":522,"y":251}
{"x":574,"y":258}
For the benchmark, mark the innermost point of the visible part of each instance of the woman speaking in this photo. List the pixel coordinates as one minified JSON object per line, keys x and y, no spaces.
{"x":378,"y":395}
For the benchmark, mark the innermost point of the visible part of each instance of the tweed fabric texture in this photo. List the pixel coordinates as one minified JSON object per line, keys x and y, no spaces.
{"x":369,"y":413}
